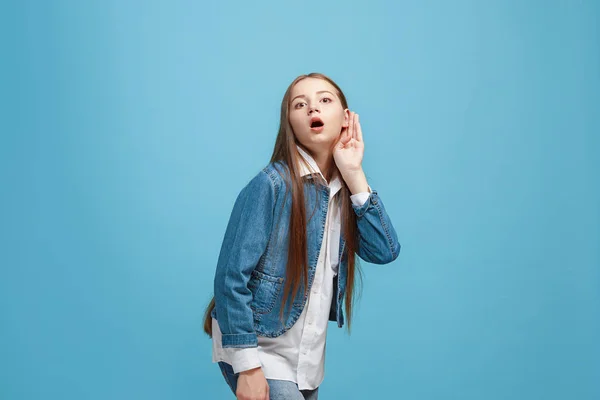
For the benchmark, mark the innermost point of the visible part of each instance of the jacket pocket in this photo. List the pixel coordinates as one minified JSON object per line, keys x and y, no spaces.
{"x":265,"y":291}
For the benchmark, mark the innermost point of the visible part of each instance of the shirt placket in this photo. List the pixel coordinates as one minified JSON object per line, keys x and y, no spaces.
{"x":314,"y":305}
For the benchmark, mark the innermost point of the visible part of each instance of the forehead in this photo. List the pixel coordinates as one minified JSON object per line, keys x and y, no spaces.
{"x":309,"y":86}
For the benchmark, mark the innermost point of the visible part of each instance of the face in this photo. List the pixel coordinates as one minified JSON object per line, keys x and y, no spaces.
{"x":316,"y":114}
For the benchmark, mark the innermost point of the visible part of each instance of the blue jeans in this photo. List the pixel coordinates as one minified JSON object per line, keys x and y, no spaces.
{"x":278,"y":389}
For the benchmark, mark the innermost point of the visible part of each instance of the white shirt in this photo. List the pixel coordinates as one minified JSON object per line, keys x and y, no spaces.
{"x":298,"y":355}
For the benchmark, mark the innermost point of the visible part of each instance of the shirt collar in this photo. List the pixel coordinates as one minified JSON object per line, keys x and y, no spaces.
{"x":335,"y":185}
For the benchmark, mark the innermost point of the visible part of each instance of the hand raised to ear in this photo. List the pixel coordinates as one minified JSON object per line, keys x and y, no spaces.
{"x":349,"y":149}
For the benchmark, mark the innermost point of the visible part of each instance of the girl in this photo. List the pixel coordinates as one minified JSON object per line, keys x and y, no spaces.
{"x":288,"y":256}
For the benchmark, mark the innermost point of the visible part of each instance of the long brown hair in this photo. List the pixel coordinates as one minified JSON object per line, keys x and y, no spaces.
{"x":297,"y":263}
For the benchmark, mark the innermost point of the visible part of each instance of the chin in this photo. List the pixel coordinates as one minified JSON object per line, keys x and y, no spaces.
{"x":328,"y":134}
{"x":322,"y":139}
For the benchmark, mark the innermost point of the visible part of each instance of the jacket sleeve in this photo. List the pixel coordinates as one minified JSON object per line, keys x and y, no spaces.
{"x":378,"y":241}
{"x":245,"y":241}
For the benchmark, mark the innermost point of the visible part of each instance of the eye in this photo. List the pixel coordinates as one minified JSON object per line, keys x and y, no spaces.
{"x":299,"y":104}
{"x":326,"y":100}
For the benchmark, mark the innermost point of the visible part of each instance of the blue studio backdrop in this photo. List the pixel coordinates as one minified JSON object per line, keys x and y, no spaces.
{"x":128,"y":128}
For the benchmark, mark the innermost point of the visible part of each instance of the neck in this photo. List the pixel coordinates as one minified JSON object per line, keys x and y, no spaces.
{"x":326,"y":164}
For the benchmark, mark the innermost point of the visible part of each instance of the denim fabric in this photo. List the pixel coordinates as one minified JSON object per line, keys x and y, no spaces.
{"x":250,"y":272}
{"x":278,"y":389}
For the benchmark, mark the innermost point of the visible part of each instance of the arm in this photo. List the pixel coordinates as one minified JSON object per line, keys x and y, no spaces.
{"x":378,"y":241}
{"x":245,"y":241}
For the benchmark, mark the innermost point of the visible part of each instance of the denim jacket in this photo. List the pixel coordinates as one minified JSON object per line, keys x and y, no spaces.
{"x":250,"y":272}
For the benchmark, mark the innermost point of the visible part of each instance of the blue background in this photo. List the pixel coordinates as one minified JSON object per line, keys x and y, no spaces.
{"x":128,"y":129}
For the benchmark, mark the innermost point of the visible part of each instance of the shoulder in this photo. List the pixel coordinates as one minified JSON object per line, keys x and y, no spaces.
{"x":278,"y":173}
{"x":268,"y":181}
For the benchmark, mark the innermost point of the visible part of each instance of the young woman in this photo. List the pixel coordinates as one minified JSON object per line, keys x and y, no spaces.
{"x":287,"y":261}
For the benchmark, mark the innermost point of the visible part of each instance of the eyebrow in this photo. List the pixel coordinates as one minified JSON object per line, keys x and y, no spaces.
{"x":319,"y":92}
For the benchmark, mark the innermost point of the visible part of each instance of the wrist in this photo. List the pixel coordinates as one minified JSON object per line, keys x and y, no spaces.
{"x":250,"y":371}
{"x":356,"y":181}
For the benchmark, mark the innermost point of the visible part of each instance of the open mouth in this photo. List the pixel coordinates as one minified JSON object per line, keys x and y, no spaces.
{"x":316,"y":123}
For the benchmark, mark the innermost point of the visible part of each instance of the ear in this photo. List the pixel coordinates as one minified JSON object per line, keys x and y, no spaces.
{"x":346,"y":118}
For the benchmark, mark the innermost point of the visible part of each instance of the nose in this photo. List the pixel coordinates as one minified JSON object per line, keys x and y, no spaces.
{"x":312,"y":109}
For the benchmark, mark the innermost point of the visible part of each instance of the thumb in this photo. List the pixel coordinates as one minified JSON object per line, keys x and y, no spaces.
{"x":342,"y":139}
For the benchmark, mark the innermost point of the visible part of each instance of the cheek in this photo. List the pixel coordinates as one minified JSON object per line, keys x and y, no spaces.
{"x":337,"y":113}
{"x":338,"y":118}
{"x":295,"y":123}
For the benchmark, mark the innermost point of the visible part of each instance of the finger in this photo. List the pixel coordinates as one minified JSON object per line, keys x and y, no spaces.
{"x":359,"y":136}
{"x":343,"y":142}
{"x":342,"y":138}
{"x":350,"y":127}
{"x":355,"y":124}
{"x":348,"y":137}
